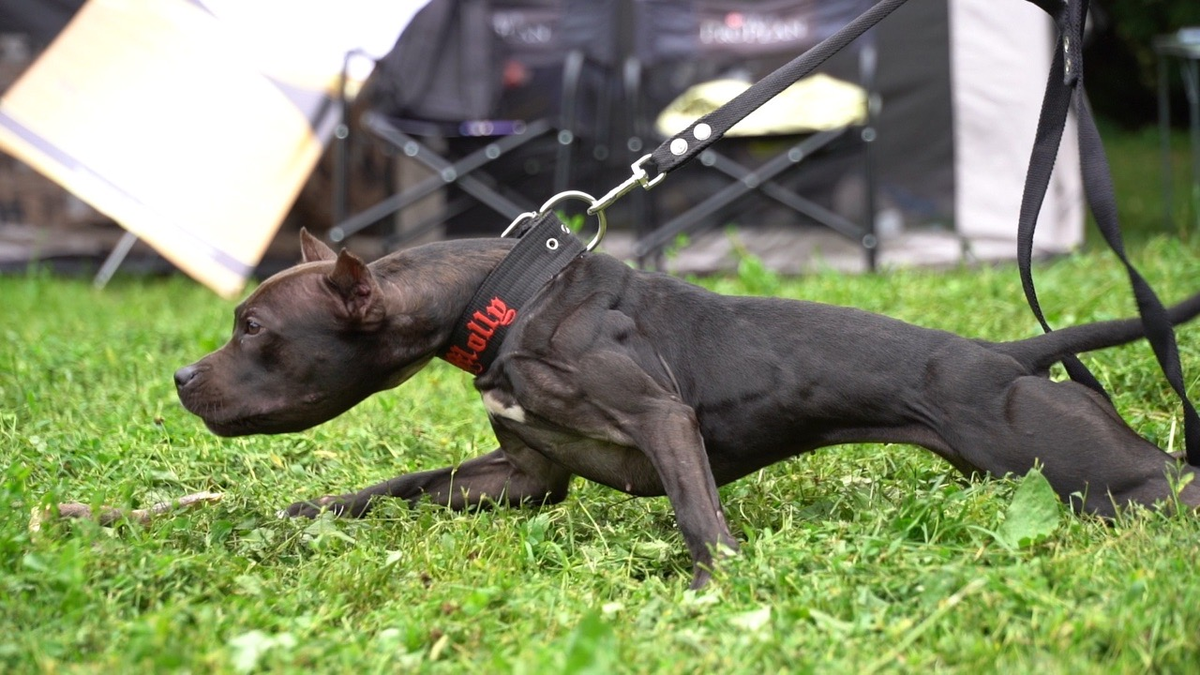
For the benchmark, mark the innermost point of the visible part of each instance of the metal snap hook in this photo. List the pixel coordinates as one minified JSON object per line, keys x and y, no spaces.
{"x":638,"y":177}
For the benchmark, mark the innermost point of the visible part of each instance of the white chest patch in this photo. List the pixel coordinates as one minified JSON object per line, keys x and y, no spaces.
{"x":497,"y":408}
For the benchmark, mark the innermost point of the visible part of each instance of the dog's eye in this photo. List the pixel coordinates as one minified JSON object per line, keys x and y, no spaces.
{"x":252,"y":327}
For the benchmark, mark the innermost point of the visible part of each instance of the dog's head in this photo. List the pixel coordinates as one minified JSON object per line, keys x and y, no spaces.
{"x":307,"y":345}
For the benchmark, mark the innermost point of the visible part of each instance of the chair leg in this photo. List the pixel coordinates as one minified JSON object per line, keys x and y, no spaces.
{"x":446,"y":173}
{"x":114,"y":259}
{"x":747,"y":182}
{"x":572,"y":72}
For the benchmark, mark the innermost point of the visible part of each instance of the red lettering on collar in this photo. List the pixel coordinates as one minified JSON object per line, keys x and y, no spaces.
{"x":480,"y":330}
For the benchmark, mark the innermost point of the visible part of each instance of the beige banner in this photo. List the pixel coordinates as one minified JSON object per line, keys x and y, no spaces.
{"x":159,"y":115}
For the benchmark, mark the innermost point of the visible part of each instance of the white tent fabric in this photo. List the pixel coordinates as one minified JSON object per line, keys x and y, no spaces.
{"x":1000,"y":58}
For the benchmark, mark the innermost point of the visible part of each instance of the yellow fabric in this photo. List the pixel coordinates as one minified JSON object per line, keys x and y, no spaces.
{"x":816,"y":103}
{"x":146,"y":110}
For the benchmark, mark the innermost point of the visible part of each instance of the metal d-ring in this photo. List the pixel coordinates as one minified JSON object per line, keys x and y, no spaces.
{"x":601,"y":220}
{"x":528,"y":215}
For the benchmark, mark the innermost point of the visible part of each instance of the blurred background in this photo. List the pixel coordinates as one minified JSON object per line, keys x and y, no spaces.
{"x":203,"y":135}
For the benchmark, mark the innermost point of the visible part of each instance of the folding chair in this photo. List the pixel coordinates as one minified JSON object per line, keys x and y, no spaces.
{"x":707,"y":37}
{"x":444,"y":84}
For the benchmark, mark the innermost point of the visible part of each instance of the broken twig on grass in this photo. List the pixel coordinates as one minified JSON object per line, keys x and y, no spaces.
{"x":107,"y":515}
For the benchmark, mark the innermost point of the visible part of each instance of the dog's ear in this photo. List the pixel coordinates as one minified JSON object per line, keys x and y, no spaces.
{"x":352,"y":281}
{"x":313,"y":249}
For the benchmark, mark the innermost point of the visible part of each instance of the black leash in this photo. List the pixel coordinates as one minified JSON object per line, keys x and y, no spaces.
{"x":683,"y":146}
{"x":1064,"y":86}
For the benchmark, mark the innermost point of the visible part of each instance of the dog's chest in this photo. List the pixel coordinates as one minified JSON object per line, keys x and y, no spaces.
{"x":599,"y":460}
{"x":502,"y":405}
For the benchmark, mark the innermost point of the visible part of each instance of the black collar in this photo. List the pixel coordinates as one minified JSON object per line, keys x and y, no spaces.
{"x":546,"y":246}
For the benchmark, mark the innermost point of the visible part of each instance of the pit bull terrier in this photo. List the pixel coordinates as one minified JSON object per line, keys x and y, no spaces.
{"x":653,"y":386}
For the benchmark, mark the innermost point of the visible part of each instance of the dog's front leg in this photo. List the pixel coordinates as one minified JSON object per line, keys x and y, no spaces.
{"x":512,"y":475}
{"x":669,"y":435}
{"x":608,"y":396}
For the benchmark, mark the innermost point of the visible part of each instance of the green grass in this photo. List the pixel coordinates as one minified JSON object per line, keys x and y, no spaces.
{"x":856,"y":559}
{"x":1135,"y":159}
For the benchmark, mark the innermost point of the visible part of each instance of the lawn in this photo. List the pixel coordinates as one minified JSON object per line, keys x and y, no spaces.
{"x":856,"y":559}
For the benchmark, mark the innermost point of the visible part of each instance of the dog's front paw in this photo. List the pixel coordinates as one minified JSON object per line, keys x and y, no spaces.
{"x":313,"y":507}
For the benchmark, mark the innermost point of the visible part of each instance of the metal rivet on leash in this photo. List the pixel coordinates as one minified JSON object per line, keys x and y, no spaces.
{"x":678,"y":146}
{"x":701,"y":132}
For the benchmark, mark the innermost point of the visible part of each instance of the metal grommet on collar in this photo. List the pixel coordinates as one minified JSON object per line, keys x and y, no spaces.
{"x":552,"y":244}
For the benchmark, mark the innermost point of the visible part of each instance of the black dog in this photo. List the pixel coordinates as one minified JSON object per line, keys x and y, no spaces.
{"x":652,"y":386}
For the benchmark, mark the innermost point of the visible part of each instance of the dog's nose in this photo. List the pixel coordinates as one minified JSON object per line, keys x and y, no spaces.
{"x":185,"y":375}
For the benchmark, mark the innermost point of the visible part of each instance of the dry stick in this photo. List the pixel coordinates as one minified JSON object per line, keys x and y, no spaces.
{"x":108,"y":515}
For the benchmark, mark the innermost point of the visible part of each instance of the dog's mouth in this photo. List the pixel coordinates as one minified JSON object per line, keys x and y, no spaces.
{"x":231,"y":428}
{"x":220,"y":421}
{"x":248,"y":426}
{"x":263,"y":419}
{"x":229,"y":425}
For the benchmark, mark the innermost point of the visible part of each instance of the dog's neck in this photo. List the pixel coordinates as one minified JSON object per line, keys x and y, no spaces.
{"x":426,"y":289}
{"x":544,"y":249}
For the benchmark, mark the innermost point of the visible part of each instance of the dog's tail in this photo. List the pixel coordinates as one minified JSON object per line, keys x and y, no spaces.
{"x":1040,"y":352}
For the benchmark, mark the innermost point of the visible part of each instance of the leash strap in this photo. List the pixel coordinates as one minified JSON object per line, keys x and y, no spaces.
{"x":682,"y":147}
{"x":544,"y":249}
{"x":1063,"y":87}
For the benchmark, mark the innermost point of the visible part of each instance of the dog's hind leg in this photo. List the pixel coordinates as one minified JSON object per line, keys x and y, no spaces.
{"x":1091,"y":457}
{"x":513,"y":475}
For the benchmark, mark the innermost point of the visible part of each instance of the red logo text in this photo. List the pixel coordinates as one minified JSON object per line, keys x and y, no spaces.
{"x":481,"y":327}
